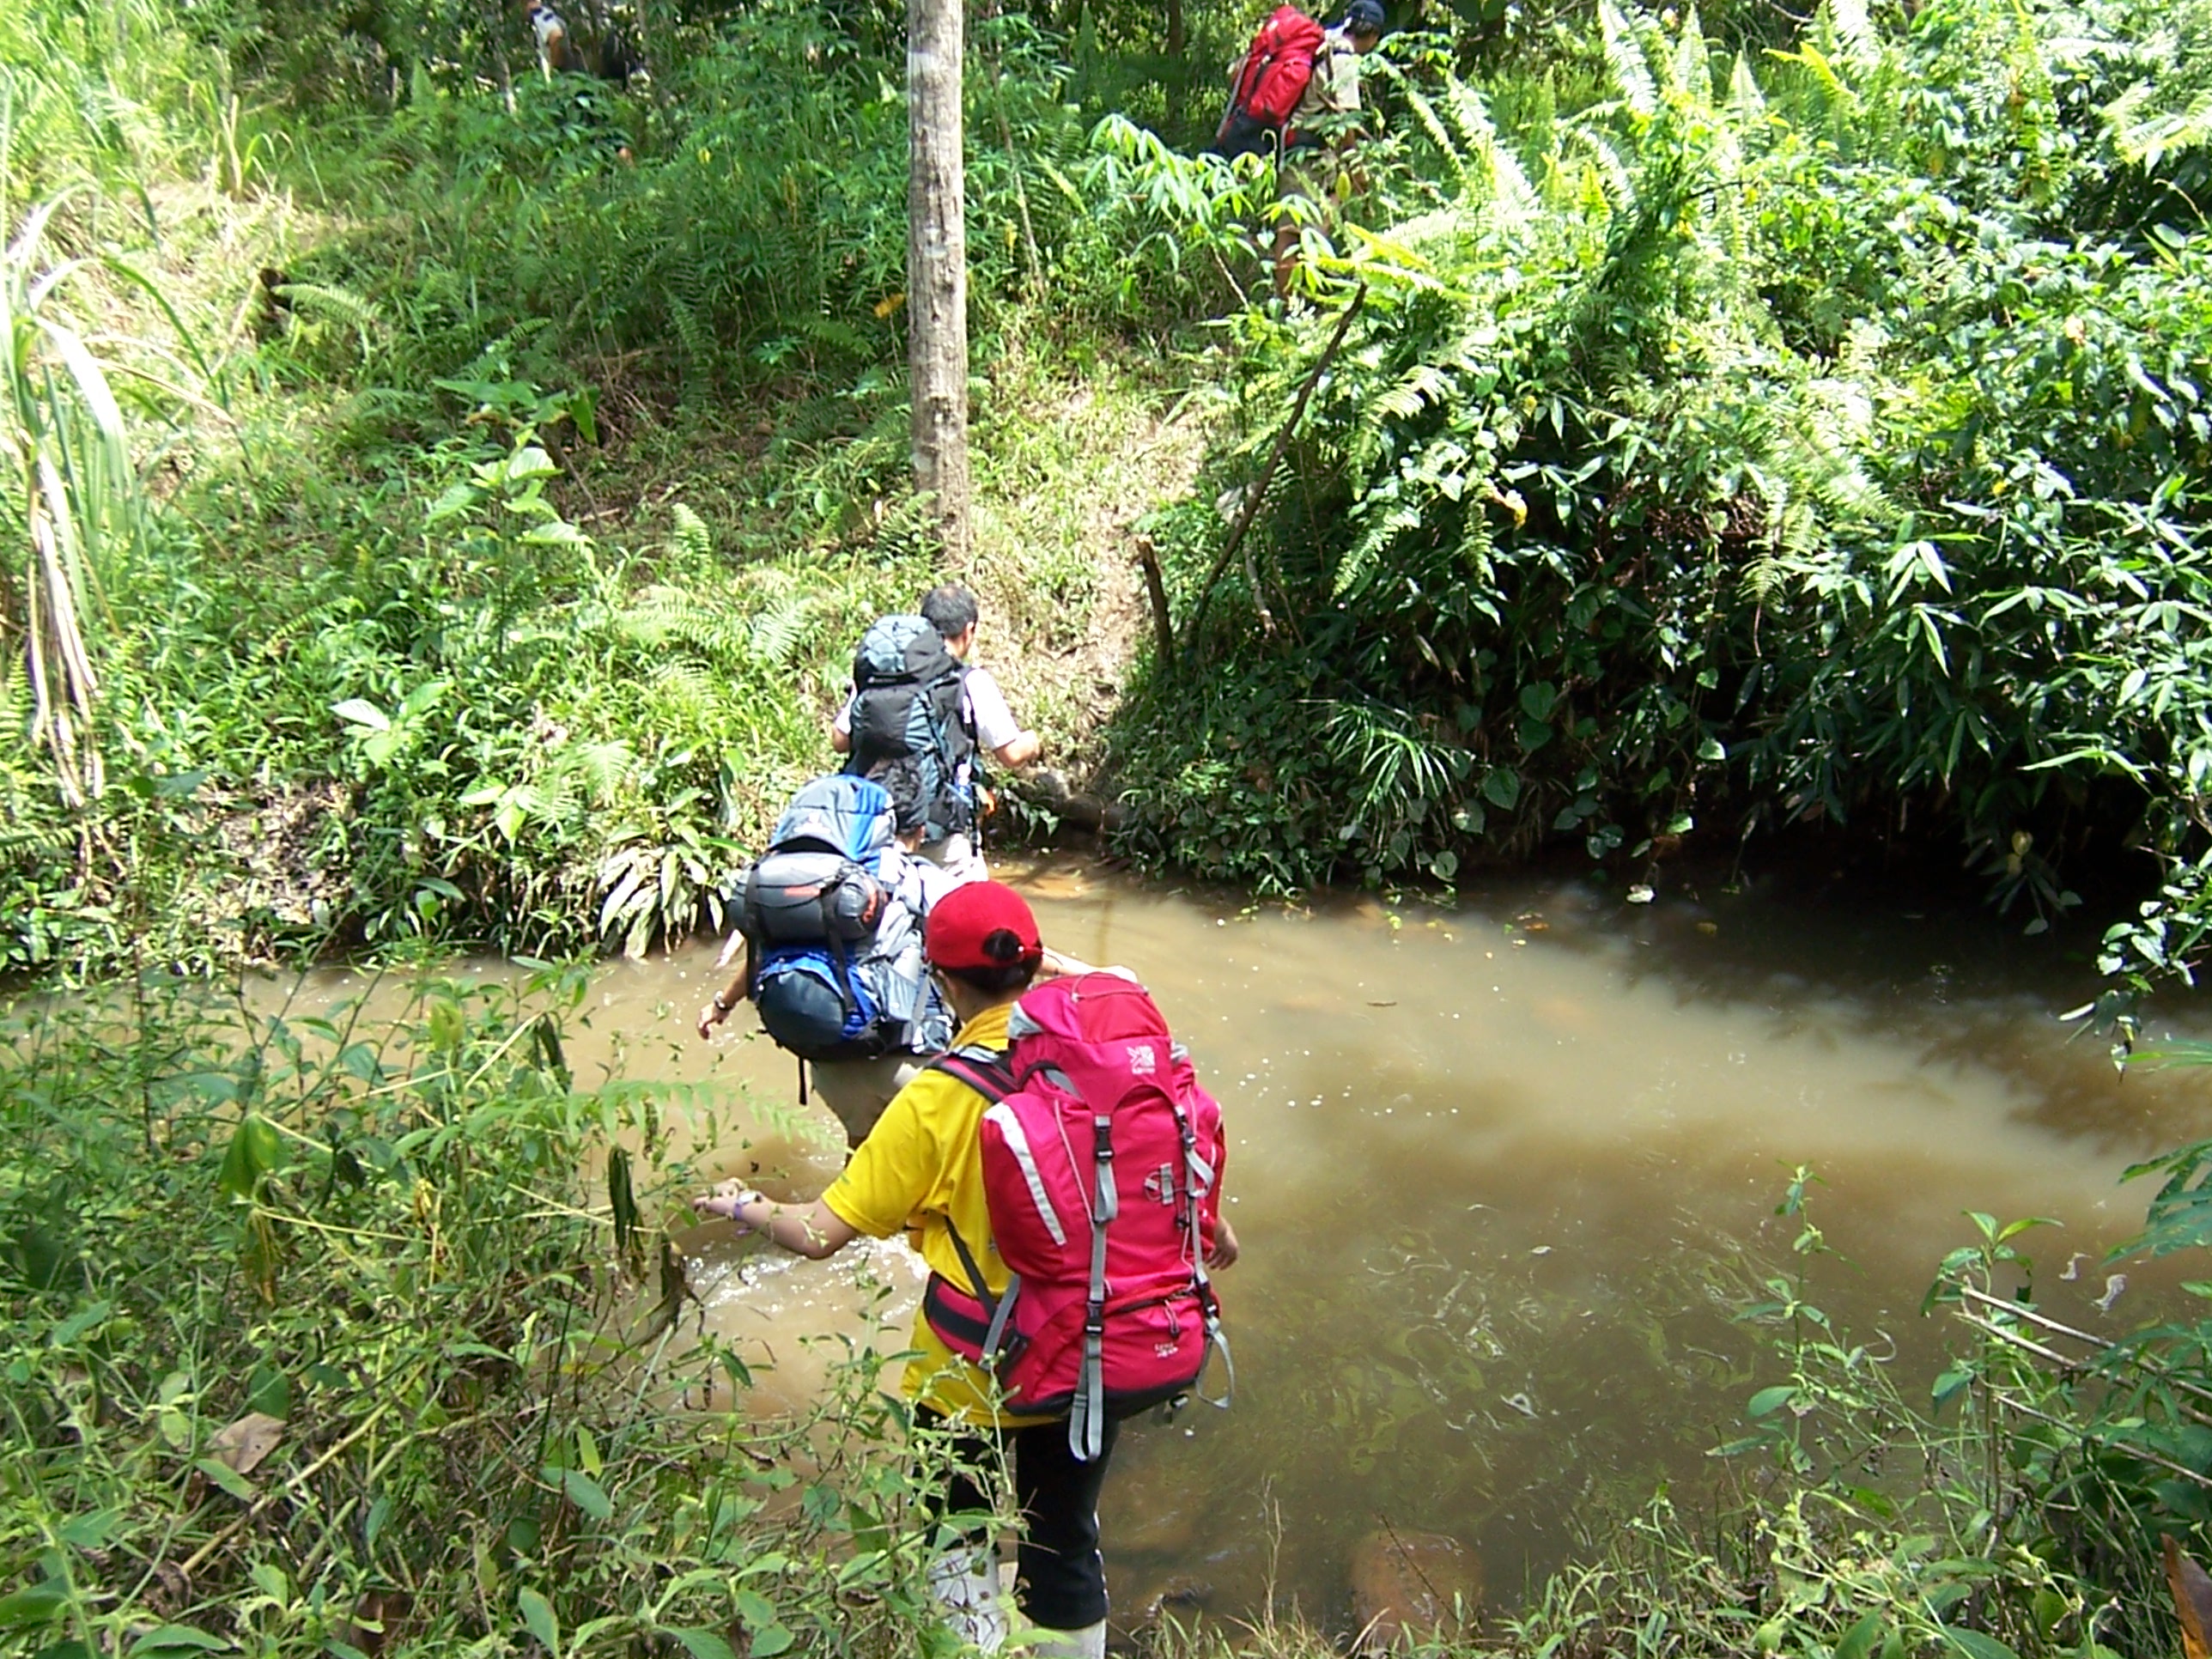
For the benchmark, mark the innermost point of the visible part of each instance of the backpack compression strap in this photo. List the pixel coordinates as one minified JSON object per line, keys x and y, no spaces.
{"x":1086,"y":1419}
{"x":1197,"y":1182}
{"x":989,"y":1072}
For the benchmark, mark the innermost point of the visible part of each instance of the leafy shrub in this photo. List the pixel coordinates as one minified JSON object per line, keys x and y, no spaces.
{"x":315,"y":1345}
{"x":1727,"y":464}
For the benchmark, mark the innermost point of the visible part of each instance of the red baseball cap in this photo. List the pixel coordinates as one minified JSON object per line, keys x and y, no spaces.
{"x":979,"y":926}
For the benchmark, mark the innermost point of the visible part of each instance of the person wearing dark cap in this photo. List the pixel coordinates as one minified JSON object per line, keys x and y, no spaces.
{"x":1324,"y":126}
{"x":921,"y":1172}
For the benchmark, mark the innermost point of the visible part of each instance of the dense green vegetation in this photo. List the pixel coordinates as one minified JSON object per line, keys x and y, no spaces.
{"x":312,"y":1350}
{"x":501,"y":545}
{"x":1814,"y":434}
{"x":424,"y":527}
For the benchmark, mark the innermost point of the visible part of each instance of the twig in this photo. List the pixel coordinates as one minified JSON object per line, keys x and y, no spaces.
{"x":1258,"y":490}
{"x":2018,"y":1311}
{"x":1156,"y":589}
{"x":1258,"y":595}
{"x":1987,"y":1327}
{"x":2195,"y":1391}
{"x":200,"y":1555}
{"x":2148,"y":1455}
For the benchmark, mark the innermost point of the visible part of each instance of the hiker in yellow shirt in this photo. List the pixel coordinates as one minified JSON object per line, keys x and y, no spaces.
{"x":920,"y":1172}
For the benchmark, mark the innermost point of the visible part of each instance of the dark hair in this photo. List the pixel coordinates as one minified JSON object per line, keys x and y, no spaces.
{"x":951,"y":609}
{"x":1363,"y":17}
{"x":997,"y":981}
{"x":1015,"y":969}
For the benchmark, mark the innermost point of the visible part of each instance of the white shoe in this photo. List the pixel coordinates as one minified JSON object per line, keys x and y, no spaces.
{"x":965,"y":1587}
{"x":1089,"y":1642}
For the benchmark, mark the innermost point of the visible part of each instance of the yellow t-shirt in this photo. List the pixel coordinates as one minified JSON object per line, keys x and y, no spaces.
{"x":921,"y":1171}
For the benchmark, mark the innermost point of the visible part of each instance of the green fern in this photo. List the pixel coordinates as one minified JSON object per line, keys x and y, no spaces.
{"x":689,"y":538}
{"x":1627,"y":60}
{"x":663,"y":616}
{"x":2147,"y":139}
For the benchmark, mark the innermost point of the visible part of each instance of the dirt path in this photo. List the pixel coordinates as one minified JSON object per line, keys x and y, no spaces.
{"x":1056,"y":551}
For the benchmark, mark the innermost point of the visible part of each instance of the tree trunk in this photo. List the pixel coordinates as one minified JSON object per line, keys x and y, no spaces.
{"x":937,"y":263}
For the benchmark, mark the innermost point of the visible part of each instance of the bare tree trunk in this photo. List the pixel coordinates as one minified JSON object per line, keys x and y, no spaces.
{"x":937,"y":263}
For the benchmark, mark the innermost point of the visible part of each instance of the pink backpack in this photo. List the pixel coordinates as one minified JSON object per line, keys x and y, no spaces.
{"x":1102,"y":1165}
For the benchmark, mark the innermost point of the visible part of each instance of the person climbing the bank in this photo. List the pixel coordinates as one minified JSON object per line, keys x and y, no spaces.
{"x":1296,"y":92}
{"x":916,"y":698}
{"x":1061,"y":1299}
{"x":829,"y":924}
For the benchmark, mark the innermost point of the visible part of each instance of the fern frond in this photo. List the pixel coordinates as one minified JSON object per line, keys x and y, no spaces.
{"x":1627,"y":61}
{"x":662,"y":617}
{"x":2148,"y":141}
{"x":1747,"y":104}
{"x":598,"y":768}
{"x":1617,"y":176}
{"x":689,"y":538}
{"x":1833,"y":429}
{"x":1845,"y":24}
{"x":324,"y":300}
{"x":1692,"y":64}
{"x":778,"y":630}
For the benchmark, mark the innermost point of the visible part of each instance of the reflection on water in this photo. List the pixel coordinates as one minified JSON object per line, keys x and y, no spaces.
{"x":1499,"y":1174}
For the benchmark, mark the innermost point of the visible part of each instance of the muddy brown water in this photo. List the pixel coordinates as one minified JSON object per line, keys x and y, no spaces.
{"x":1501,"y":1173}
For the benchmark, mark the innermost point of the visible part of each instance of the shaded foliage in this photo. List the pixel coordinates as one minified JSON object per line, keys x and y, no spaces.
{"x":1763,"y":447}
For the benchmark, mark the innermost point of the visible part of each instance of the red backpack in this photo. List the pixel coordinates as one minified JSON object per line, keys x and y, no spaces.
{"x":1276,"y":71}
{"x":1102,"y":1167}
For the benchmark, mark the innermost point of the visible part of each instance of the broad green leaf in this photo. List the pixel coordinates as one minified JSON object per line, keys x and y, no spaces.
{"x":180,"y":1639}
{"x":82,"y":1323}
{"x":1767,"y":1402}
{"x":34,"y":1606}
{"x":586,"y":1494}
{"x":226,"y":1476}
{"x":1973,"y":1645}
{"x":359,"y":711}
{"x":702,"y":1643}
{"x":537,"y":1614}
{"x":1859,"y":1641}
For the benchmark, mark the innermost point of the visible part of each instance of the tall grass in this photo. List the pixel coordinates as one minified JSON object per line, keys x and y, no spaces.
{"x":319,"y":1341}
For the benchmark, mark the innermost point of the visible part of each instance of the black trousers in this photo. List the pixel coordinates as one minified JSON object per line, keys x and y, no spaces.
{"x":1060,"y":1576}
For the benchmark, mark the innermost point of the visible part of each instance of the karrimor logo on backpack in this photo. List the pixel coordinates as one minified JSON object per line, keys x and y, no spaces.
{"x":1110,"y":1309}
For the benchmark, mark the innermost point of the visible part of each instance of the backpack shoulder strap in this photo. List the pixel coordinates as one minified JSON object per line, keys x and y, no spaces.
{"x":989,"y":1072}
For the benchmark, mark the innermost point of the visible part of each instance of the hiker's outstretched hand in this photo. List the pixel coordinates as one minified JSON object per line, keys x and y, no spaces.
{"x":1224,"y":1253}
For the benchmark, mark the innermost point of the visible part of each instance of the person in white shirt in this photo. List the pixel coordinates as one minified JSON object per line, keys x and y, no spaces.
{"x":952,"y":610}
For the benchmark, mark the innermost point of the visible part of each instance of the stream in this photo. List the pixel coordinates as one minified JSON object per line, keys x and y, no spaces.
{"x":1502,"y":1174}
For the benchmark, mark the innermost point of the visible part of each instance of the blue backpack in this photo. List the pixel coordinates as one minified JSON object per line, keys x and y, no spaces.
{"x":837,"y":970}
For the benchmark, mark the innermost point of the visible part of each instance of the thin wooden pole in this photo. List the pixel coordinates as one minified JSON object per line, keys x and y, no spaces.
{"x":1259,"y":489}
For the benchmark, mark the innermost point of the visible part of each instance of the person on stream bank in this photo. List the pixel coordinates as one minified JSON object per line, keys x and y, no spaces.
{"x":925,"y":1171}
{"x":1318,"y":163}
{"x":915,"y":699}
